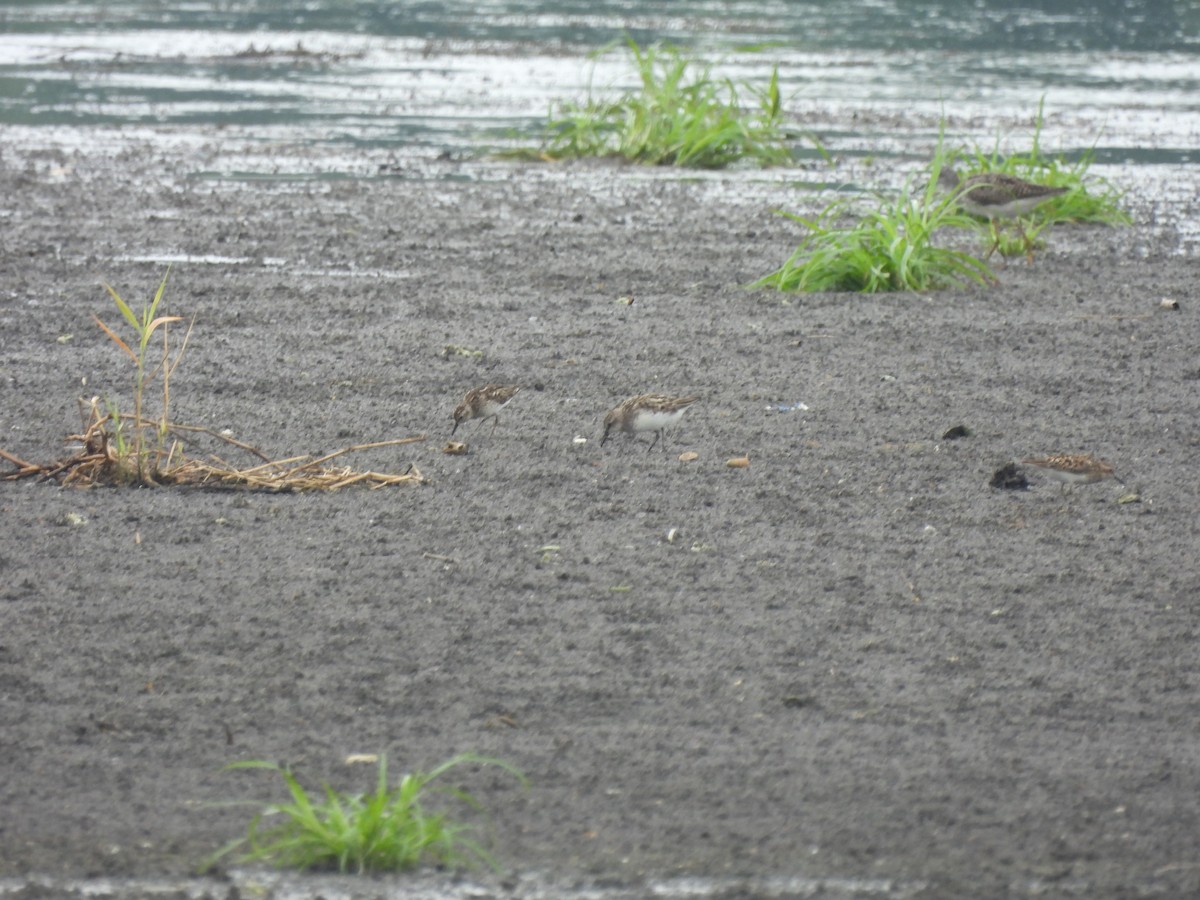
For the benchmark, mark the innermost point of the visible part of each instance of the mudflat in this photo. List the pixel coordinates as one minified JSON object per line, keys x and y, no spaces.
{"x":850,"y":659}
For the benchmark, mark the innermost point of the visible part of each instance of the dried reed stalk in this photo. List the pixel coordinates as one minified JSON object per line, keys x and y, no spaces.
{"x":99,"y":460}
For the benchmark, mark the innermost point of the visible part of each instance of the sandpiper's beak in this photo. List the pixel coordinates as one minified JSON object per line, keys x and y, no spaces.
{"x":604,"y":437}
{"x":454,"y":429}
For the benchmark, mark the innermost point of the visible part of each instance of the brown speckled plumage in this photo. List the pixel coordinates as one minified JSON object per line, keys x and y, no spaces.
{"x":646,"y":412}
{"x":484,"y":403}
{"x":1072,"y":468}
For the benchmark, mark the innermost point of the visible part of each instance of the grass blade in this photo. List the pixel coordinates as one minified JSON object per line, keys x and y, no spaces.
{"x":116,"y":339}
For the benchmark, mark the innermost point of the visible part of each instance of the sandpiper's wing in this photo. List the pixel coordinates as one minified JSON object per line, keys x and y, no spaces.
{"x":661,"y":402}
{"x":997,"y":189}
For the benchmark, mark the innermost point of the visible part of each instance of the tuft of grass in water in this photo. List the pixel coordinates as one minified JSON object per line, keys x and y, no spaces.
{"x":387,"y":830}
{"x":1089,"y":198}
{"x":892,"y":248}
{"x":680,"y":117}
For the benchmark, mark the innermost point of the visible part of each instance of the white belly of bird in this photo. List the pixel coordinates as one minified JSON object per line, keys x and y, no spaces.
{"x":1070,"y":476}
{"x":652,"y":420}
{"x":1010,"y":209}
{"x":490,"y":408}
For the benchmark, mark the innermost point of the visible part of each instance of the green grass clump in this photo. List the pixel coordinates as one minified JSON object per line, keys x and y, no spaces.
{"x":388,"y":830}
{"x":1089,"y":198}
{"x":680,"y":117}
{"x":891,"y":248}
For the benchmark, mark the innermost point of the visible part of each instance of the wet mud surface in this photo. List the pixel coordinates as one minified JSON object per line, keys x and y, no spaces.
{"x":852,"y":659}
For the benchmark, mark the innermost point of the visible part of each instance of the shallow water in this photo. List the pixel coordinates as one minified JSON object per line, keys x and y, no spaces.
{"x":409,"y":83}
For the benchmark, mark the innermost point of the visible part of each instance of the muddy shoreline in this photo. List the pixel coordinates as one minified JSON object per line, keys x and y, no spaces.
{"x":853,"y":660}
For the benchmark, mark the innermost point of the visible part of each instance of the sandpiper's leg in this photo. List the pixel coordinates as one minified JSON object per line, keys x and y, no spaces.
{"x":657,"y":435}
{"x":1028,"y":243}
{"x":995,"y":240}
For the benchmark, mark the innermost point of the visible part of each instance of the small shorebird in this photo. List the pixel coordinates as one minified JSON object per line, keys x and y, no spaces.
{"x":995,"y":195}
{"x":484,"y":403}
{"x":1072,"y":468}
{"x":647,"y":412}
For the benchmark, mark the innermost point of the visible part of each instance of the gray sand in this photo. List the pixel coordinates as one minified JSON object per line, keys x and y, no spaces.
{"x":852,"y":659}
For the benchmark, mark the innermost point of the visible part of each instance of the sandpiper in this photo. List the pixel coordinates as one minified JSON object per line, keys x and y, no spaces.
{"x":484,"y":403}
{"x":1072,"y":468}
{"x":647,"y":412}
{"x":996,"y":195}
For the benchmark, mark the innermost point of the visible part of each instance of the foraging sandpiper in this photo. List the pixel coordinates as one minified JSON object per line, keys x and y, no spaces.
{"x":647,"y":412}
{"x":484,"y":403}
{"x":1072,"y":468}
